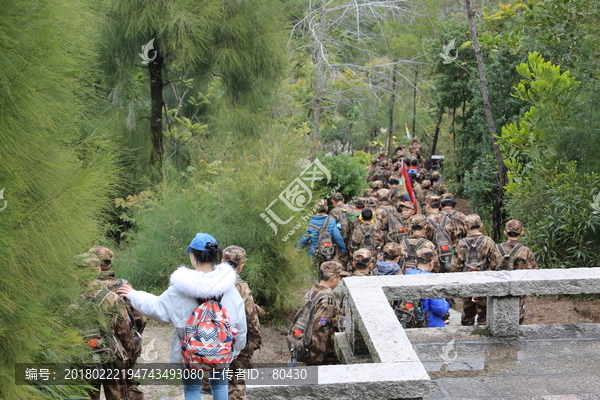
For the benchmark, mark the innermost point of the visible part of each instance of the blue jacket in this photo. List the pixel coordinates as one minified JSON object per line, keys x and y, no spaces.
{"x":435,"y":309}
{"x":311,"y":237}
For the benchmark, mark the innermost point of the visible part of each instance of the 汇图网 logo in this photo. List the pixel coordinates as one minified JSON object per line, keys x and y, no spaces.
{"x":144,"y":54}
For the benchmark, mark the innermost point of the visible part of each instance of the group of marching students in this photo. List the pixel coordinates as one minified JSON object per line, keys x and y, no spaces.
{"x":404,"y":224}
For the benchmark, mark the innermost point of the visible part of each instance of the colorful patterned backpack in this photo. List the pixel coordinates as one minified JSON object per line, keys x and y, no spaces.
{"x":208,"y":339}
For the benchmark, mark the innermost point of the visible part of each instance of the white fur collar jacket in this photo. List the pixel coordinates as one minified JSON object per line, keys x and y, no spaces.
{"x":177,"y":303}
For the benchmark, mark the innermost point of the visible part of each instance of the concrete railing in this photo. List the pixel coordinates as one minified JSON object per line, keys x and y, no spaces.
{"x":372,"y":327}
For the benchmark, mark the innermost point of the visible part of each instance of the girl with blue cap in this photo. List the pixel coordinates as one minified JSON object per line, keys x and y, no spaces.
{"x":209,"y":279}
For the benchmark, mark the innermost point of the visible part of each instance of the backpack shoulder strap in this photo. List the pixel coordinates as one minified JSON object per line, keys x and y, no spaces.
{"x":515,"y":250}
{"x":444,"y":221}
{"x":420,"y":243}
{"x":432,"y":222}
{"x":500,"y":248}
{"x":319,"y":229}
{"x":361,"y":229}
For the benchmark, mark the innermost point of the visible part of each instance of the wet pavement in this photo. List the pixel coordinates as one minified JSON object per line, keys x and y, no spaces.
{"x":549,"y":362}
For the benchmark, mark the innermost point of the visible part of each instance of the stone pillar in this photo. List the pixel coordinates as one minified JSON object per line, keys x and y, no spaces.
{"x":503,"y":316}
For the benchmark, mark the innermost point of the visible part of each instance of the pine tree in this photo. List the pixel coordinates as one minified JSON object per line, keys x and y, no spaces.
{"x":238,"y":41}
{"x":57,"y":168}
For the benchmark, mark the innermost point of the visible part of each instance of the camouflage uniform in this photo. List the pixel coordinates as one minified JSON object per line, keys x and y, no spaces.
{"x":357,"y":236}
{"x":345,"y":229}
{"x":490,"y":257}
{"x":382,"y":213}
{"x":414,"y":239}
{"x":452,"y":213}
{"x":454,"y":228}
{"x":114,"y":322}
{"x":322,"y":351}
{"x":523,"y":259}
{"x":237,"y":387}
{"x":138,"y":322}
{"x":436,"y":187}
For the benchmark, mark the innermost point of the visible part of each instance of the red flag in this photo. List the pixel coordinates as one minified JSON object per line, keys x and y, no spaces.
{"x":409,"y":189}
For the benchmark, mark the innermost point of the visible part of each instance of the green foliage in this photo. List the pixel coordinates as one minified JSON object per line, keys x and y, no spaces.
{"x":58,"y":169}
{"x":348,"y":175}
{"x":561,"y":224}
{"x":362,"y":158}
{"x":226,"y":199}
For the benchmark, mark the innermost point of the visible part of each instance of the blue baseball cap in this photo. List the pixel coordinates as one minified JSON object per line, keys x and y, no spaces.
{"x":200,"y":242}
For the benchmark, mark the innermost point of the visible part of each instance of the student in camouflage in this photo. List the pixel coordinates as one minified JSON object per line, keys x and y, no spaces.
{"x":367,"y":225}
{"x":448,"y":205}
{"x":436,"y":187}
{"x":107,"y":277}
{"x":453,"y":228}
{"x":417,"y":238}
{"x":322,"y":351}
{"x":113,"y":323}
{"x":362,"y":261}
{"x":523,"y":257}
{"x":236,"y":257}
{"x":489,"y":259}
{"x":382,"y":213}
{"x":407,"y":209}
{"x":375,"y":186}
{"x":340,"y":213}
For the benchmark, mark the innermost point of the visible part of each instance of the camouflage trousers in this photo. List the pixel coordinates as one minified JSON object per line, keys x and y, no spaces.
{"x":472,"y":309}
{"x":237,"y":387}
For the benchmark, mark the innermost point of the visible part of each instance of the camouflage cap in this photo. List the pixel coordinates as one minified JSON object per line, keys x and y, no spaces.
{"x":426,"y":184}
{"x":435,"y":175}
{"x":393,"y":249}
{"x":418,"y":219}
{"x":447,"y":196}
{"x":372,"y":202}
{"x":407,"y":204}
{"x":333,"y":268}
{"x":362,"y":256}
{"x":337,"y":197}
{"x":320,"y":205}
{"x":425,"y":254}
{"x":383,"y":194}
{"x":514,"y":225}
{"x":360,"y":202}
{"x":235,"y":254}
{"x":431,"y":199}
{"x":376,"y":185}
{"x":86,"y":260}
{"x":104,"y":255}
{"x":472,"y":220}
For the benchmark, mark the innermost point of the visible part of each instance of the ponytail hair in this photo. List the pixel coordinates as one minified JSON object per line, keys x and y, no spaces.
{"x":212,"y":254}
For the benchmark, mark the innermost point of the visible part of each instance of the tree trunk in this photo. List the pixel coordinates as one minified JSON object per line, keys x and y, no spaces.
{"x":437,"y":131}
{"x":497,"y":210}
{"x":320,"y":79}
{"x":414,"y":121}
{"x":391,"y":110}
{"x":156,"y":97}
